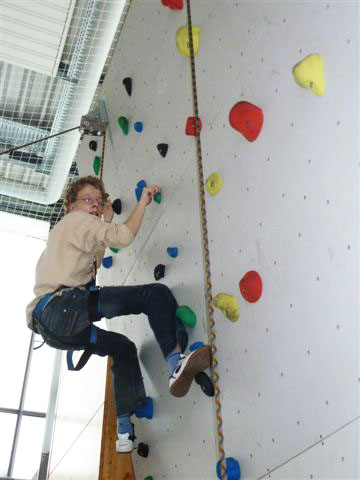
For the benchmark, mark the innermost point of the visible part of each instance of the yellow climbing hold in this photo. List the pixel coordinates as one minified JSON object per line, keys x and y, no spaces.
{"x":182,"y":40}
{"x":228,"y":305}
{"x":309,"y":73}
{"x":214,"y":184}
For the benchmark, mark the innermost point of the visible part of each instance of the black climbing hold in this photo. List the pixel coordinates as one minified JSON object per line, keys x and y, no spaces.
{"x":159,"y":271}
{"x":205,"y":383}
{"x":163,"y":148}
{"x":93,"y":145}
{"x":128,"y":85}
{"x":117,"y":207}
{"x":143,"y":450}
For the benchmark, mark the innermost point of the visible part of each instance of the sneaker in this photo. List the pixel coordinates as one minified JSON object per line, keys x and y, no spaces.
{"x":125,"y":443}
{"x":186,"y":370}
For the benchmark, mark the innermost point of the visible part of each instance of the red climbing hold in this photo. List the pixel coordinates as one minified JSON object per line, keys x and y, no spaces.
{"x":173,"y":4}
{"x":251,"y":286}
{"x":247,"y":119}
{"x":190,"y":126}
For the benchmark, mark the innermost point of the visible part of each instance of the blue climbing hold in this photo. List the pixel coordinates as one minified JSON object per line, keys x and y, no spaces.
{"x":141,"y":184}
{"x":146,"y":410}
{"x":138,"y":126}
{"x":172,"y":252}
{"x":195,"y":346}
{"x":107,"y":262}
{"x":232,"y":469}
{"x":138,"y":192}
{"x":139,"y":188}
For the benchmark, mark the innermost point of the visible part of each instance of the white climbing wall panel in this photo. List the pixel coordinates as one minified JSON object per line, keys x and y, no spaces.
{"x":289,"y":367}
{"x":289,"y":210}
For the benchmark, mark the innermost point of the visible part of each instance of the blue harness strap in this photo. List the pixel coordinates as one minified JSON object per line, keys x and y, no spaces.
{"x":85,"y":355}
{"x":41,"y":305}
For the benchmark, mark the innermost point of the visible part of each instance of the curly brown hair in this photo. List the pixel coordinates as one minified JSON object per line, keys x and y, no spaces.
{"x":75,"y":187}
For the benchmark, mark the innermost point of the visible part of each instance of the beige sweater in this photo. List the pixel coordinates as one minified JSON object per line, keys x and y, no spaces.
{"x":72,"y":246}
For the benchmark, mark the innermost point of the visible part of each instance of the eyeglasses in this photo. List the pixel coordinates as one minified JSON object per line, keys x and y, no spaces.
{"x":90,"y":201}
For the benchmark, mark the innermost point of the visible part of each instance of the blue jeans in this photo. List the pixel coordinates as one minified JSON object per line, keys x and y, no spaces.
{"x":155,"y":300}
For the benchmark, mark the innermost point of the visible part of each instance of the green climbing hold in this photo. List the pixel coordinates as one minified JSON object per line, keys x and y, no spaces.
{"x":186,"y":315}
{"x":113,"y":249}
{"x":96,"y":164}
{"x":124,"y":125}
{"x":157,"y":197}
{"x":149,"y":477}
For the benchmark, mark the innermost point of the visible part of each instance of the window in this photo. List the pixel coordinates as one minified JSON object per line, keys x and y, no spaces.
{"x":25,"y":374}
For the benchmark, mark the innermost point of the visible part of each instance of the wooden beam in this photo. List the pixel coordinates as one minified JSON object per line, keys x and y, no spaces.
{"x":113,"y":465}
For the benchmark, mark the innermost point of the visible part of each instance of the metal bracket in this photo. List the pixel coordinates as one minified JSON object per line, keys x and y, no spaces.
{"x":95,"y":122}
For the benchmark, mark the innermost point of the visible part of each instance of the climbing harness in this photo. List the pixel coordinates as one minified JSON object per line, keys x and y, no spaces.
{"x":59,"y":341}
{"x":205,"y":242}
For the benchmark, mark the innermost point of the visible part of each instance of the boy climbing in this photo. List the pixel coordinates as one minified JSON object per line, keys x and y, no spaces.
{"x":67,"y":302}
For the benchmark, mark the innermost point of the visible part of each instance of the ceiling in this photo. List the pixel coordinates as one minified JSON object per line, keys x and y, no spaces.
{"x":34,"y":105}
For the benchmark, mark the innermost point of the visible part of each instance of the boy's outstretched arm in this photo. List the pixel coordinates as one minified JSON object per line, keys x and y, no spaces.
{"x":136,"y":217}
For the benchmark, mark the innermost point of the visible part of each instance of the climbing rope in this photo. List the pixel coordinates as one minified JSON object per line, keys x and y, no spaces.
{"x":94,"y":271}
{"x":205,"y":241}
{"x":38,"y":141}
{"x":102,"y":156}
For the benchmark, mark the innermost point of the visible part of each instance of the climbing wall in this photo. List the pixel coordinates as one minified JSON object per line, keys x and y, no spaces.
{"x":181,"y":435}
{"x":287,"y":209}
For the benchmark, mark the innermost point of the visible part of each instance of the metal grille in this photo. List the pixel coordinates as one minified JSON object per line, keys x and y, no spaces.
{"x":33,"y":33}
{"x":34,"y":105}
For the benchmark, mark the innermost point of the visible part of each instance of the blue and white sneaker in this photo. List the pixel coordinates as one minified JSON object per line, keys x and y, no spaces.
{"x":187,"y":368}
{"x":125,"y":441}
